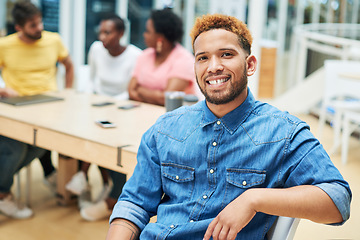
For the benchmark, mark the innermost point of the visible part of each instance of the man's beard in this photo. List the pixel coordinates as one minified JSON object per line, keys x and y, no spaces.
{"x":220,"y":97}
{"x":36,"y":36}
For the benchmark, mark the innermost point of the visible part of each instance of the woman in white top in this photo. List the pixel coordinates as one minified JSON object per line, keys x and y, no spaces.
{"x":111,"y":66}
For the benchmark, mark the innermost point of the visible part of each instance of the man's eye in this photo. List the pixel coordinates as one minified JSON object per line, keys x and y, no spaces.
{"x":202,"y":58}
{"x":227,"y":54}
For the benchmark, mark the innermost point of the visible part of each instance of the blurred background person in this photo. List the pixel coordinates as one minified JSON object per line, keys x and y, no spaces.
{"x":111,"y":64}
{"x":165,"y":65}
{"x":35,"y":71}
{"x":111,"y":67}
{"x":28,"y":61}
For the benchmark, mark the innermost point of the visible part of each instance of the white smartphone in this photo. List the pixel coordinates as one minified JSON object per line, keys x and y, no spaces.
{"x":105,"y":124}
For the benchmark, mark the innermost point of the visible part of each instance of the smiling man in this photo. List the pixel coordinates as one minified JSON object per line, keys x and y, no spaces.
{"x":227,"y":166}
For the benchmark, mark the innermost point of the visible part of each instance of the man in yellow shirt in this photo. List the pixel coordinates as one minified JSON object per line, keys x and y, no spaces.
{"x":28,"y":61}
{"x":28,"y":58}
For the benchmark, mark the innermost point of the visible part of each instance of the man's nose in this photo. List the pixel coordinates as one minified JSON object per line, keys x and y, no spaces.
{"x":40,"y":26}
{"x":215,"y":65}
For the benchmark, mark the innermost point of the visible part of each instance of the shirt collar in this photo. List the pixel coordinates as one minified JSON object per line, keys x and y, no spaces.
{"x":233,"y":119}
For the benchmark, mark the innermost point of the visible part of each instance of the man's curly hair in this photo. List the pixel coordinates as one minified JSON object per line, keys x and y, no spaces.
{"x":220,"y":21}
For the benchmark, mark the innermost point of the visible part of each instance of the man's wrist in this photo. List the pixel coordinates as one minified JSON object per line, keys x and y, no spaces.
{"x":125,"y":228}
{"x":254,"y":196}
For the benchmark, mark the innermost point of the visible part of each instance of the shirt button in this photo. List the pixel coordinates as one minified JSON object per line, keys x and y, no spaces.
{"x":204,"y":197}
{"x":214,"y":144}
{"x":218,"y":122}
{"x":177,"y":177}
{"x":212,"y":171}
{"x":172,"y":226}
{"x":244,"y":183}
{"x":191,"y":220}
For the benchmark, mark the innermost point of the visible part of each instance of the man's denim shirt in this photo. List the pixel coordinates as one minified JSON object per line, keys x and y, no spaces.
{"x":192,"y":164}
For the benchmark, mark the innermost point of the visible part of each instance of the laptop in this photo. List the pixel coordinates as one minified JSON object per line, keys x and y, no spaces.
{"x":26,"y":100}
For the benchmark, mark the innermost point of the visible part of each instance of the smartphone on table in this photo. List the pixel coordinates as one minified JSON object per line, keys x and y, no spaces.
{"x":102,"y":104}
{"x":105,"y":124}
{"x":129,"y":106}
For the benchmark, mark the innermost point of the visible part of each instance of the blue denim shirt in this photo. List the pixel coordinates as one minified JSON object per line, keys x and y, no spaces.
{"x":192,"y":164}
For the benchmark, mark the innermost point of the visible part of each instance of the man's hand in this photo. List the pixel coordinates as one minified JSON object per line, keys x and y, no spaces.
{"x":231,"y":219}
{"x":306,"y":201}
{"x":8,"y":92}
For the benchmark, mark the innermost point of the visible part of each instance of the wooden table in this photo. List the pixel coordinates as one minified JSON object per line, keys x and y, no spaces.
{"x":68,"y":127}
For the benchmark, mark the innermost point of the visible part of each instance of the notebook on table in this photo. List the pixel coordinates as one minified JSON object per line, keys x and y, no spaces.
{"x":25,"y":100}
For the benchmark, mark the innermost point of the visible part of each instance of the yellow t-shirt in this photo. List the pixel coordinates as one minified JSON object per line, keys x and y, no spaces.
{"x":31,"y":68}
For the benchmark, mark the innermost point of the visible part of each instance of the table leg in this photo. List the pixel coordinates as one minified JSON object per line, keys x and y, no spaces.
{"x":67,"y":167}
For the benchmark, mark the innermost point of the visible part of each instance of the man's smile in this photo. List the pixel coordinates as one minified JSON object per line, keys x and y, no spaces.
{"x":218,"y":80}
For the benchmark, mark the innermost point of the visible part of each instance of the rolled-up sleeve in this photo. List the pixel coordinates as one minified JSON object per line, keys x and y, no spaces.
{"x":131,"y":212}
{"x":340,"y":196}
{"x":311,"y":165}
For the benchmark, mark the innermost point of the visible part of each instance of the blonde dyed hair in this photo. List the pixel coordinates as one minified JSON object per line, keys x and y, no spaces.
{"x":219,"y":21}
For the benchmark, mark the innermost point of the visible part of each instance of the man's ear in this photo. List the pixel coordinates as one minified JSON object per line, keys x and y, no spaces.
{"x":18,"y":28}
{"x":122,"y":34}
{"x":251,"y":63}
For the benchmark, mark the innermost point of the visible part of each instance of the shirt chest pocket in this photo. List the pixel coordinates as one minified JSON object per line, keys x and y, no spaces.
{"x":239,"y":180}
{"x":178,"y":181}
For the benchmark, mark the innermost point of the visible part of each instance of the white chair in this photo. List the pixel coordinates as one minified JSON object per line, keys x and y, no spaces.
{"x":82,"y":76}
{"x":82,"y":79}
{"x":340,"y":92}
{"x":2,"y":83}
{"x":284,"y":228}
{"x":351,"y":122}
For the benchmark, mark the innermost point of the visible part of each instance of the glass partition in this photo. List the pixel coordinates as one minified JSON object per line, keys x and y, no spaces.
{"x":50,"y":13}
{"x":138,"y":13}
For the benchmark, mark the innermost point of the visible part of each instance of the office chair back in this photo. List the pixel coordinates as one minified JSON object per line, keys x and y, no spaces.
{"x":350,"y":124}
{"x":336,"y":82}
{"x":338,"y":90}
{"x":284,"y":228}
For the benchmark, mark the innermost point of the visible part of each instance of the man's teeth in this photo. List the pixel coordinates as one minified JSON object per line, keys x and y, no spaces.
{"x":218,"y":81}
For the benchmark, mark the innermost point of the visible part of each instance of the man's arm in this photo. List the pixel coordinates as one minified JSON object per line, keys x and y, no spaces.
{"x":69,"y":68}
{"x":121,"y":229}
{"x":309,"y":202}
